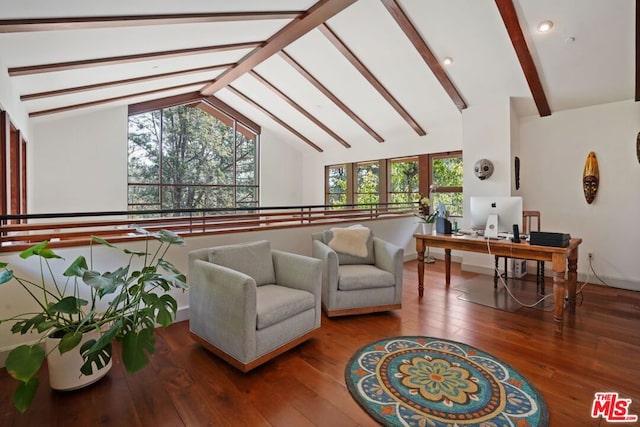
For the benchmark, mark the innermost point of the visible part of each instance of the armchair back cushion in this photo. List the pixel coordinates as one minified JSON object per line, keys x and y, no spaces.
{"x":350,"y":258}
{"x":253,"y":259}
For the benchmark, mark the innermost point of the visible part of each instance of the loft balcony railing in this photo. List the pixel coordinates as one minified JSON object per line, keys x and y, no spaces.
{"x":19,"y":232}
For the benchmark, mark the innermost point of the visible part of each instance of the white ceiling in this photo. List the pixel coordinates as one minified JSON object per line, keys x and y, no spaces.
{"x":588,"y":58}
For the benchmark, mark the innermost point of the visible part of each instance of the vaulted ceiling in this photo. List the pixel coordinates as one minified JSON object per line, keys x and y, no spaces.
{"x":330,"y":73}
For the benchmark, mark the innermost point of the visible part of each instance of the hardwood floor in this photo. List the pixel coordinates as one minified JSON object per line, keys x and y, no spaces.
{"x":187,"y":386}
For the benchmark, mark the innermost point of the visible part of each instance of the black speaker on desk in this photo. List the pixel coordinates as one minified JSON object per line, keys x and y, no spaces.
{"x":443,"y":225}
{"x":559,"y":240}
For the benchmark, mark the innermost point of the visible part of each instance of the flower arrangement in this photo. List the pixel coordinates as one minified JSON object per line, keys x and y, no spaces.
{"x":423,"y":210}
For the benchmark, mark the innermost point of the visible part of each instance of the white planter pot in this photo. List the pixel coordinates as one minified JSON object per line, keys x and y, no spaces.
{"x":64,"y":370}
{"x":426,"y":228}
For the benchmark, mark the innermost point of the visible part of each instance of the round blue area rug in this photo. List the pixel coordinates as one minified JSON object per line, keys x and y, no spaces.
{"x":432,"y":382}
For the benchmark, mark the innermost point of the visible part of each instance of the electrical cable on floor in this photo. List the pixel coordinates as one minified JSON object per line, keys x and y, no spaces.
{"x":504,"y":284}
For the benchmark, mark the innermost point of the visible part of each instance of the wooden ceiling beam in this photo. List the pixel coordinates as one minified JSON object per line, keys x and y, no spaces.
{"x":299,"y":108}
{"x":423,"y":49}
{"x":368,"y":75}
{"x":115,"y":83}
{"x":316,"y":15}
{"x":109,"y":100}
{"x":273,"y":117}
{"x":91,"y":22}
{"x":510,"y":19}
{"x":73,"y":65}
{"x":230,"y":111}
{"x":326,"y":92}
{"x":166,"y":102}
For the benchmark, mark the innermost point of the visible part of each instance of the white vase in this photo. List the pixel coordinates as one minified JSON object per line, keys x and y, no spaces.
{"x":427,"y":227}
{"x":64,"y":370}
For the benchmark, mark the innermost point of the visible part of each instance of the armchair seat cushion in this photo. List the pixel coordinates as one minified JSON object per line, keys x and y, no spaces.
{"x":277,"y":303}
{"x":355,"y":277}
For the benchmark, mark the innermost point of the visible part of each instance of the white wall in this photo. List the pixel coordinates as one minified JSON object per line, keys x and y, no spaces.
{"x":79,"y":163}
{"x":553,"y":153}
{"x":280,"y":172}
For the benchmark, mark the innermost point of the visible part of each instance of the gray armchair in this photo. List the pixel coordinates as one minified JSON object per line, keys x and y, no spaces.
{"x":358,"y":283}
{"x":249,"y":303}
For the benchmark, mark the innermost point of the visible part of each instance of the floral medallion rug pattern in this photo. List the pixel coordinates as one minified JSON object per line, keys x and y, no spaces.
{"x":424,"y":382}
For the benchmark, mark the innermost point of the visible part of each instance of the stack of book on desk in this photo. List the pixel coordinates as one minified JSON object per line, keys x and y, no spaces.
{"x":559,"y":240}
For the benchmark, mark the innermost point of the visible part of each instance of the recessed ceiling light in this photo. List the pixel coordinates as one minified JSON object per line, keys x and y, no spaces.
{"x":448,"y":60}
{"x":545,"y":26}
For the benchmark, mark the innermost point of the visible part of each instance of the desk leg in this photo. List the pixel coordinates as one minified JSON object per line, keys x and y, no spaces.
{"x":447,"y":266}
{"x":559,"y":262}
{"x":572,"y":278}
{"x":420,"y":249}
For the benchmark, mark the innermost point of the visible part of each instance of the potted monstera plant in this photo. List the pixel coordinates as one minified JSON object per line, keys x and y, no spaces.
{"x":82,"y":311}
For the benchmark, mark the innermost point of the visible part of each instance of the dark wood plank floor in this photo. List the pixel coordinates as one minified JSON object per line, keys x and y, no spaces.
{"x":187,"y":386}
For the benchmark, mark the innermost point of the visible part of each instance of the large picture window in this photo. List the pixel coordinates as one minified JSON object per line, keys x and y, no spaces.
{"x":184,"y":157}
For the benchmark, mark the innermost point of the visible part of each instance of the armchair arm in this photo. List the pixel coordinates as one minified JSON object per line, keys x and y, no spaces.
{"x":218,"y":295}
{"x":297,"y":271}
{"x":329,"y":270}
{"x":389,"y":257}
{"x":300,"y":272}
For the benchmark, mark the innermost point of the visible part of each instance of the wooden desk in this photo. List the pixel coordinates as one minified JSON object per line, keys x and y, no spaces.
{"x":559,"y":257}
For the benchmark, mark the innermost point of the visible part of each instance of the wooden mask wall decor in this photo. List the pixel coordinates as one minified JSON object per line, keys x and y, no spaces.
{"x":590,"y":177}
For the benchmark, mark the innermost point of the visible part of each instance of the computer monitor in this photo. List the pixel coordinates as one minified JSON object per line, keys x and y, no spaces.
{"x":508,"y":209}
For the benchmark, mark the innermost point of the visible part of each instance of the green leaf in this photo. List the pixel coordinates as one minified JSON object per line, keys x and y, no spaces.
{"x":170,"y":237}
{"x":24,"y":361}
{"x":137,"y":253}
{"x":135,"y":347}
{"x":164,"y":317}
{"x":139,"y":229}
{"x":3,"y":264}
{"x":5,"y":275}
{"x":33,"y":250}
{"x":25,"y":326}
{"x":106,"y":282}
{"x":95,"y":353}
{"x":45,"y":326}
{"x":99,"y":352}
{"x":24,"y":394}
{"x":69,"y":341}
{"x":102,"y":241}
{"x":48,"y":254}
{"x":68,"y":305}
{"x":77,"y":267}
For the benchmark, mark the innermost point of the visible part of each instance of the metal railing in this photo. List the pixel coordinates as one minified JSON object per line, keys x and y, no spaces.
{"x":19,"y":232}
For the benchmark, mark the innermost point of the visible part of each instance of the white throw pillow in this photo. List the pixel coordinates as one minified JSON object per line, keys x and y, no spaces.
{"x":351,"y":240}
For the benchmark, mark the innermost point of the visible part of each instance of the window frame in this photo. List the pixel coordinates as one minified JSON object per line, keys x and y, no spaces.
{"x":442,"y":189}
{"x":425,"y":176}
{"x":240,"y":124}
